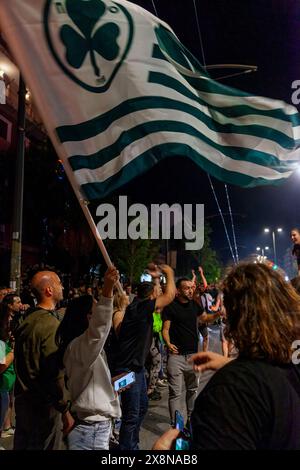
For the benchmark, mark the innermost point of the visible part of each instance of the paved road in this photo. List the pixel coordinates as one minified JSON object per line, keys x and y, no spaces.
{"x":157,"y":419}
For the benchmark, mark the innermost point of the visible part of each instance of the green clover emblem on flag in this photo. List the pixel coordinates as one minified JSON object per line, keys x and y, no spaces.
{"x":89,"y":39}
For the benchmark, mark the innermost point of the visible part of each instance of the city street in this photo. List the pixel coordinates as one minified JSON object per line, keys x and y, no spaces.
{"x":157,"y":419}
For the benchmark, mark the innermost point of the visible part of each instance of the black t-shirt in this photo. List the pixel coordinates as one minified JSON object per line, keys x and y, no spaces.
{"x":296,"y":252}
{"x":249,"y":405}
{"x":135,"y":336}
{"x":184,"y":325}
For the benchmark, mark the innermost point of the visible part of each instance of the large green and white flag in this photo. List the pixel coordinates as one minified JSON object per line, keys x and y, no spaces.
{"x":118,"y":92}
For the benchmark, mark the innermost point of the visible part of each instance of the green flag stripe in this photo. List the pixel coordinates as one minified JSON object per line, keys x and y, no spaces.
{"x":97,"y":125}
{"x":212,"y":87}
{"x":234,"y":111}
{"x":157,"y":53}
{"x":127,"y":138}
{"x":151,"y":157}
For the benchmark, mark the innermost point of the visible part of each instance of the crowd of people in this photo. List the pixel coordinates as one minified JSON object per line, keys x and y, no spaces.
{"x":59,"y":366}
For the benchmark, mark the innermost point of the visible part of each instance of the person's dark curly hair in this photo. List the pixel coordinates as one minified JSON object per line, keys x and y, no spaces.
{"x":263,"y":313}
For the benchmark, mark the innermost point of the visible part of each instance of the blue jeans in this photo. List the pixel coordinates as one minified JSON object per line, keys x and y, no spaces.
{"x":4,"y":404}
{"x":94,"y":436}
{"x":134,"y":407}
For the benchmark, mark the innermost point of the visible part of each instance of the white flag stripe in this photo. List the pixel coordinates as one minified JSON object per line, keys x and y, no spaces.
{"x":140,"y":146}
{"x":256,"y":101}
{"x":152,"y":89}
{"x":114,"y":131}
{"x":249,"y":119}
{"x":218,"y":99}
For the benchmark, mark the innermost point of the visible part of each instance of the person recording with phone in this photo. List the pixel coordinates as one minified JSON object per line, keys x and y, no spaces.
{"x":135,"y":338}
{"x":81,"y":337}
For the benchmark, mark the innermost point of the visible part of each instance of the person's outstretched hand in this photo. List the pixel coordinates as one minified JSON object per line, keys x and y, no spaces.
{"x":111,"y":277}
{"x":208,"y":360}
{"x":153,"y":270}
{"x":166,"y":269}
{"x":167,"y":440}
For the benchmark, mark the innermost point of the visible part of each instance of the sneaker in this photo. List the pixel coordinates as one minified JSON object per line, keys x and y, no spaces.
{"x":8,"y":432}
{"x":162,"y":382}
{"x":2,"y":448}
{"x":155,"y":396}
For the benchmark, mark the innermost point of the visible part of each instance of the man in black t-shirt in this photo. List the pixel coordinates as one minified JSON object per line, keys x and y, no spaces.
{"x":135,"y":339}
{"x":180,"y":332}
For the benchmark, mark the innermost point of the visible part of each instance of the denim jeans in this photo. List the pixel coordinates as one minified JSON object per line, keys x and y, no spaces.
{"x":4,"y":404}
{"x":134,"y":407}
{"x":93,"y":436}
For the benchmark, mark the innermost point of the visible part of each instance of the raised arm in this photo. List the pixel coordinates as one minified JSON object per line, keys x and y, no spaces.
{"x":168,"y":296}
{"x":100,"y":322}
{"x":194,"y":278}
{"x":203,"y":278}
{"x":90,"y":344}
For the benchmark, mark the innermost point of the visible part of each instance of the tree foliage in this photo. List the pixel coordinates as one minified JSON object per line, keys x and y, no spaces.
{"x":207,"y":257}
{"x":132,"y":256}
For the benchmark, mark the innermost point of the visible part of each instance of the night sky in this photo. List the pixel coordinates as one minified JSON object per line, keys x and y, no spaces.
{"x":265,"y":33}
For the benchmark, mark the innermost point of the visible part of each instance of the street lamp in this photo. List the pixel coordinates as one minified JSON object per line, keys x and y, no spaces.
{"x":262,"y":256}
{"x":278,"y":230}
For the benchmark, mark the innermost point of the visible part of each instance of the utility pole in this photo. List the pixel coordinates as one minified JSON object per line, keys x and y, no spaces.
{"x":16,"y":246}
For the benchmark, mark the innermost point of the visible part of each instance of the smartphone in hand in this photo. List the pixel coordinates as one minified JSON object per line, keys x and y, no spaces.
{"x":123,"y":381}
{"x":182,"y":443}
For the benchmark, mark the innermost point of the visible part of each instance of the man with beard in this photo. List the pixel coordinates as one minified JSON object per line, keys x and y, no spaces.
{"x":180,"y":332}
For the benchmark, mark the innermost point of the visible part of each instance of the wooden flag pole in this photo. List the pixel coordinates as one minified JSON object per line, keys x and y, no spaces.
{"x":84,"y":206}
{"x":83,"y":203}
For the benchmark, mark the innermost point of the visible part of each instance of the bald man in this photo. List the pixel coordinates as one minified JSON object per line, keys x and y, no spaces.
{"x":39,"y":391}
